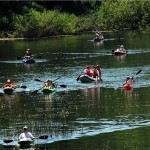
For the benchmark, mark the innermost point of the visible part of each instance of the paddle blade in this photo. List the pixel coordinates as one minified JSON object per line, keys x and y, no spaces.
{"x":138,"y":72}
{"x":7,"y":141}
{"x":38,"y":80}
{"x":43,"y":137}
{"x":64,"y":86}
{"x":23,"y":86}
{"x":78,"y":78}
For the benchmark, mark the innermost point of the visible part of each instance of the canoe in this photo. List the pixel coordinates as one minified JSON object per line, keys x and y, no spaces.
{"x":25,"y":143}
{"x":29,"y":61}
{"x":98,"y":39}
{"x":48,"y":90}
{"x":116,"y":52}
{"x":87,"y":79}
{"x":128,"y":86}
{"x":8,"y":90}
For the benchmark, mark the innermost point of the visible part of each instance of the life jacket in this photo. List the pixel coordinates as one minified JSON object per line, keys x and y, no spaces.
{"x":88,"y":72}
{"x":95,"y":74}
{"x":8,"y":84}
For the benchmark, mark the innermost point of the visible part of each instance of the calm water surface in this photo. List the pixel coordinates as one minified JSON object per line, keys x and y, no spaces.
{"x":81,"y":116}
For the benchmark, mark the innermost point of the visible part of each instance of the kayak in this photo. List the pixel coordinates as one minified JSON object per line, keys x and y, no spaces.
{"x":48,"y":90}
{"x":116,"y":52}
{"x":29,"y":61}
{"x":87,"y":79}
{"x":128,"y":86}
{"x":8,"y":90}
{"x":25,"y":143}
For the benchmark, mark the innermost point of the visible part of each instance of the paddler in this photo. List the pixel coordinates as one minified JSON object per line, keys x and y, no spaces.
{"x":26,"y":134}
{"x":129,"y":80}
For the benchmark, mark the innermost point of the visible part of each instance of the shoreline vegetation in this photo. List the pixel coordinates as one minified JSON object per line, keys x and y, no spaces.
{"x":34,"y":20}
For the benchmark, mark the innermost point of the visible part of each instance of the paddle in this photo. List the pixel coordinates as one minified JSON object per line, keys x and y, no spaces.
{"x":43,"y":137}
{"x":23,"y":86}
{"x":61,"y":85}
{"x":135,"y":74}
{"x":35,"y":56}
{"x":78,"y":77}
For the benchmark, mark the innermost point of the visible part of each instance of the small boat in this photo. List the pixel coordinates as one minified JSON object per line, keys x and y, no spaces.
{"x":48,"y":90}
{"x":8,"y":90}
{"x":128,"y":86}
{"x":117,"y":52}
{"x":87,"y":79}
{"x":29,"y":61}
{"x":25,"y":143}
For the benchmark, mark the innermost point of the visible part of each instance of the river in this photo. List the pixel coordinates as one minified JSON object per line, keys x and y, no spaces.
{"x":82,"y":116}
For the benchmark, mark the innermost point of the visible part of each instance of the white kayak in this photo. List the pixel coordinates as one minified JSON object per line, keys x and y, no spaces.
{"x":87,"y":79}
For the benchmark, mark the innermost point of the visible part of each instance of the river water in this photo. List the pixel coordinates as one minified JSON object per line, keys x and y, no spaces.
{"x":81,"y":116}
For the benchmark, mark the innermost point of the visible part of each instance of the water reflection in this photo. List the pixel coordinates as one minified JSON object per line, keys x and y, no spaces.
{"x":28,"y":67}
{"x":121,"y":58}
{"x":92,"y":93}
{"x":98,"y":44}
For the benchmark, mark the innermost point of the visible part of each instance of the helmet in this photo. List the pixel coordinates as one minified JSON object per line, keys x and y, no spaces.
{"x":8,"y":80}
{"x":28,"y":49}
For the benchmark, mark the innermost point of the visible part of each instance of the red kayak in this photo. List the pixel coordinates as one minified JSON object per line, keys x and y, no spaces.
{"x":128,"y":86}
{"x":116,"y":52}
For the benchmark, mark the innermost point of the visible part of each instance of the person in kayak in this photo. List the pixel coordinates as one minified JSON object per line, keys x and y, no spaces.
{"x":88,"y":71}
{"x":49,"y":84}
{"x":99,"y":69}
{"x":96,"y":73}
{"x":25,"y":134}
{"x":28,"y":54}
{"x":129,"y":80}
{"x":9,"y":83}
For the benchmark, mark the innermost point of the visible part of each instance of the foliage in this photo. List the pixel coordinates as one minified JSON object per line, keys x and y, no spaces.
{"x":46,"y":23}
{"x":36,"y":19}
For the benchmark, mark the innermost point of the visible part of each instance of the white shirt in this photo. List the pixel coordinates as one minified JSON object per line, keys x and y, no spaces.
{"x":25,"y":135}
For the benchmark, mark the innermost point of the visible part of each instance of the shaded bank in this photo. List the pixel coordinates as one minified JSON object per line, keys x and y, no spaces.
{"x":34,"y":20}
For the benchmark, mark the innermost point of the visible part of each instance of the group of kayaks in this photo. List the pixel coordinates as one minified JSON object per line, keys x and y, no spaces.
{"x":44,"y":90}
{"x":88,"y":79}
{"x":118,"y":52}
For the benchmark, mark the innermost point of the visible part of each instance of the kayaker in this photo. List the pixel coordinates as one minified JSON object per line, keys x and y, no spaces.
{"x":28,"y":54}
{"x":48,"y":84}
{"x":97,"y":35}
{"x":129,"y":80}
{"x":95,"y":73}
{"x":88,"y":71}
{"x":9,"y":83}
{"x":99,"y":69}
{"x":25,"y":134}
{"x":122,"y":48}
